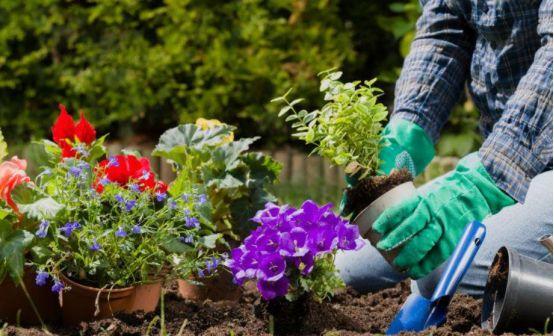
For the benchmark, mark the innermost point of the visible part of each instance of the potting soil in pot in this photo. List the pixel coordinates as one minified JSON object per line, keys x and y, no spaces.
{"x":369,"y":189}
{"x":348,"y":313}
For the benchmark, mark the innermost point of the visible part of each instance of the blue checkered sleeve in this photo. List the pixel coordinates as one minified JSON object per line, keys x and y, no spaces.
{"x":436,"y":68}
{"x":520,"y":144}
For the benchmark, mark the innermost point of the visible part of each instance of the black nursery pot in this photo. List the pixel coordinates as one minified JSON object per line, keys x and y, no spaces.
{"x":518,"y":295}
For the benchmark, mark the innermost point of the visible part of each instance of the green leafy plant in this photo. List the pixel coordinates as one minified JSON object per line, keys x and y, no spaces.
{"x":347,"y":128}
{"x":235,"y":179}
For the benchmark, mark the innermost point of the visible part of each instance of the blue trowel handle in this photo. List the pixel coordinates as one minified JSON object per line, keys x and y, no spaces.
{"x":460,"y":260}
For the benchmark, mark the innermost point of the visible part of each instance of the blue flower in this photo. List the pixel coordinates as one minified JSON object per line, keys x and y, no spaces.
{"x":47,"y":171}
{"x":69,"y":227}
{"x":212,"y":264}
{"x":119,"y":198}
{"x":41,"y":278}
{"x":80,"y":148}
{"x":42,"y":229}
{"x":201,"y":273}
{"x":134,"y":187}
{"x":186,"y":212}
{"x":112,"y":162}
{"x":136,"y":229}
{"x":172,"y":204}
{"x":75,"y":171}
{"x":160,"y":197}
{"x":57,"y":287}
{"x":192,"y":222}
{"x":185,"y":197}
{"x":105,"y":181}
{"x":130,"y":204}
{"x":95,"y":246}
{"x":187,"y":239}
{"x":202,"y":198}
{"x":120,"y":233}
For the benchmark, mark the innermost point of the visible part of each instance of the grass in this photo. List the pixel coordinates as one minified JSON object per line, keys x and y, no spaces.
{"x":296,"y":192}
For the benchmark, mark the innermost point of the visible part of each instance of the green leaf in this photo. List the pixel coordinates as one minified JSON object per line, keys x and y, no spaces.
{"x":174,"y":245}
{"x":284,"y":110}
{"x":3,"y":147}
{"x":210,"y":241}
{"x":13,"y":251}
{"x":43,"y":208}
{"x":228,"y":182}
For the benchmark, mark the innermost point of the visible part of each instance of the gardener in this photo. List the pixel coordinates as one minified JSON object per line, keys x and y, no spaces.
{"x":503,"y":49}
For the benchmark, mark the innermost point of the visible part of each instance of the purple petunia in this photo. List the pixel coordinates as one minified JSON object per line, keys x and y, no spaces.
{"x":41,"y":278}
{"x":289,"y":239}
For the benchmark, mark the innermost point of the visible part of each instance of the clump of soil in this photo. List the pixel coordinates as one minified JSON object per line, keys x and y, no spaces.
{"x":370,"y":188}
{"x":347,"y":314}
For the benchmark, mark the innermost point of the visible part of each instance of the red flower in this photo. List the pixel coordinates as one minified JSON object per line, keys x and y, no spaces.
{"x":123,"y":170}
{"x":66,"y":132}
{"x":161,"y":187}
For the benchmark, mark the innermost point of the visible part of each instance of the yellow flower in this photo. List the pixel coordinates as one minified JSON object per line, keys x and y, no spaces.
{"x":205,"y":124}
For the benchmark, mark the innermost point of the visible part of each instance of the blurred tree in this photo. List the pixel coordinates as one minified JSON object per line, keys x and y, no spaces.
{"x":142,"y":66}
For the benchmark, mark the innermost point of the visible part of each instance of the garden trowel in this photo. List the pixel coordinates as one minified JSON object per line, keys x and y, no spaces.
{"x":419,"y":313}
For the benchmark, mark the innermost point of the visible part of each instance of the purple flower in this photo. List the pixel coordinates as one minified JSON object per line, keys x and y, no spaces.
{"x":305,"y":263}
{"x":134,"y":187}
{"x":212,"y":264}
{"x":272,"y":267}
{"x":137,"y":229}
{"x":75,"y":171}
{"x":189,"y":239}
{"x":69,"y":227}
{"x":202,"y":199}
{"x":80,"y":148}
{"x":172,"y":204}
{"x":322,"y":241}
{"x":294,"y":243}
{"x":95,"y":246}
{"x":119,"y":198}
{"x":268,"y":243}
{"x":120,"y":233}
{"x":41,"y":278}
{"x":272,"y":289}
{"x":145,"y":175}
{"x":112,"y":162}
{"x":57,"y":287}
{"x":349,"y":237}
{"x":130,"y":204}
{"x":105,"y":181}
{"x":185,"y":197}
{"x":192,"y":222}
{"x":42,"y":229}
{"x":160,"y":197}
{"x":201,"y":273}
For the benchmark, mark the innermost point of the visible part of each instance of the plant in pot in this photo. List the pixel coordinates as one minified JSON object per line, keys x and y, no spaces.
{"x":348,"y":130}
{"x":290,"y":256}
{"x":22,"y":301}
{"x":119,"y":233}
{"x":236,"y":183}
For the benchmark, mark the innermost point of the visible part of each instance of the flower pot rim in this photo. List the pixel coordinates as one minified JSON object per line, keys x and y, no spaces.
{"x":93,"y":291}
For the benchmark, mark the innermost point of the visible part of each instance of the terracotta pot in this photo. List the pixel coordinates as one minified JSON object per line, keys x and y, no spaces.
{"x":366,"y":217}
{"x":14,"y":300}
{"x":146,"y":297}
{"x":217,"y":288}
{"x":78,"y":303}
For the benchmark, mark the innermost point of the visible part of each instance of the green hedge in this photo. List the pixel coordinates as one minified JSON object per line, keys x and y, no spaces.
{"x":142,"y":66}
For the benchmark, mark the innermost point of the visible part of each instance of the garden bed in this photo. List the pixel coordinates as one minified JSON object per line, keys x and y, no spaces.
{"x":348,"y":313}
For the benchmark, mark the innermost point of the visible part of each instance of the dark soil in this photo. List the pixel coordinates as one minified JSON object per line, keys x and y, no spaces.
{"x":370,"y":188}
{"x":348,"y":314}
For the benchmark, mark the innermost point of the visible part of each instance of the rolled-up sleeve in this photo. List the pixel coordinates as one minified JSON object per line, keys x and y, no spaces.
{"x":520,"y":144}
{"x":436,"y":68}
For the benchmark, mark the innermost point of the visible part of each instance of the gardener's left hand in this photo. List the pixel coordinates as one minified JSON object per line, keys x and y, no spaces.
{"x":428,"y":227}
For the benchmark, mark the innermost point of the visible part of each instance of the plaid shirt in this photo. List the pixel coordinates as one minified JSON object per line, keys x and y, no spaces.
{"x":503,"y":50}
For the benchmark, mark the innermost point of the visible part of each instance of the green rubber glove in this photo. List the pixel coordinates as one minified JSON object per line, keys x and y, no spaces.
{"x":351,"y":181}
{"x":405,"y":145}
{"x":429,"y":226}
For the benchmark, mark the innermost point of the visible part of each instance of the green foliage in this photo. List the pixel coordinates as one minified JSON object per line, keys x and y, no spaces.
{"x":14,"y":243}
{"x":3,"y":147}
{"x":347,"y":129}
{"x":322,"y":282}
{"x":146,"y":65}
{"x":236,"y":180}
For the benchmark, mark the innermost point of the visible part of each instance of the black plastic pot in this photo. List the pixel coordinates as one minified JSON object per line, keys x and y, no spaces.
{"x":518,"y":295}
